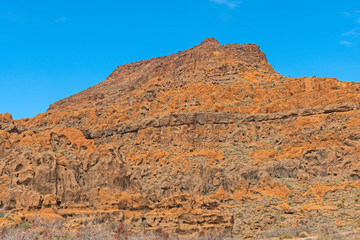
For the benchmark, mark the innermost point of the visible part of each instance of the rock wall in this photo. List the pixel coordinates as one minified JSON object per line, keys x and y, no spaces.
{"x":208,"y":139}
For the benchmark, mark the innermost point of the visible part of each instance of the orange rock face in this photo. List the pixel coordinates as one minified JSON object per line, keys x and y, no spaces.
{"x":210,"y":138}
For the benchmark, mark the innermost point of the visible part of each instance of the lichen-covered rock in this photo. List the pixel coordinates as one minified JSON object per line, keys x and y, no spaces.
{"x":207,"y":139}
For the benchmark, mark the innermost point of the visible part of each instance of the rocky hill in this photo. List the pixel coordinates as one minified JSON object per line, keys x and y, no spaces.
{"x":206,"y":139}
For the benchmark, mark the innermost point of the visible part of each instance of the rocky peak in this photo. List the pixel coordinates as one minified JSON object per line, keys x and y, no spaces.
{"x":210,"y":41}
{"x":208,"y":62}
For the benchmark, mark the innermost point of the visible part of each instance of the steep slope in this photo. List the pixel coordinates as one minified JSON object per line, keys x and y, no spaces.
{"x":208,"y":62}
{"x":210,"y":138}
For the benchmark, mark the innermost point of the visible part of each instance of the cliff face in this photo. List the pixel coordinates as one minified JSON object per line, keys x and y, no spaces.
{"x":208,"y":62}
{"x":207,"y":138}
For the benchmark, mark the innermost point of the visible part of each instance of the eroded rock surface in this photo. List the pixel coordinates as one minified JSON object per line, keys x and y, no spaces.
{"x":210,"y":138}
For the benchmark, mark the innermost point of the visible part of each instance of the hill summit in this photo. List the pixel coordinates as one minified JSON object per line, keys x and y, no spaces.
{"x":208,"y":62}
{"x":206,"y":140}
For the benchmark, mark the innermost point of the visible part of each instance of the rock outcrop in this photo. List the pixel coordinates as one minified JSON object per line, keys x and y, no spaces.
{"x":206,"y":139}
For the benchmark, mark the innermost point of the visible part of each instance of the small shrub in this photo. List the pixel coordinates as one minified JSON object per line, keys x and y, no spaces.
{"x":121,"y":231}
{"x":25,"y":225}
{"x":323,"y":238}
{"x":67,"y":236}
{"x":303,"y":235}
{"x":46,"y":233}
{"x":286,"y":236}
{"x":143,"y":225}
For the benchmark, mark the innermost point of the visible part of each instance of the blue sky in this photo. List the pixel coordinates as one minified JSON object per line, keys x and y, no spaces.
{"x":53,"y":49}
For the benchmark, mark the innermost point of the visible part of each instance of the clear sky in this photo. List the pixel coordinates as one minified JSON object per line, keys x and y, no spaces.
{"x":53,"y":49}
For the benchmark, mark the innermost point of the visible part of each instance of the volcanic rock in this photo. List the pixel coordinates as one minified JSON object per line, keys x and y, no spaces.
{"x":206,"y":139}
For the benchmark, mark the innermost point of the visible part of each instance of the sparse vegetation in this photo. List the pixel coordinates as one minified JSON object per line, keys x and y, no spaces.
{"x":286,"y":236}
{"x":25,"y":225}
{"x":119,"y":231}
